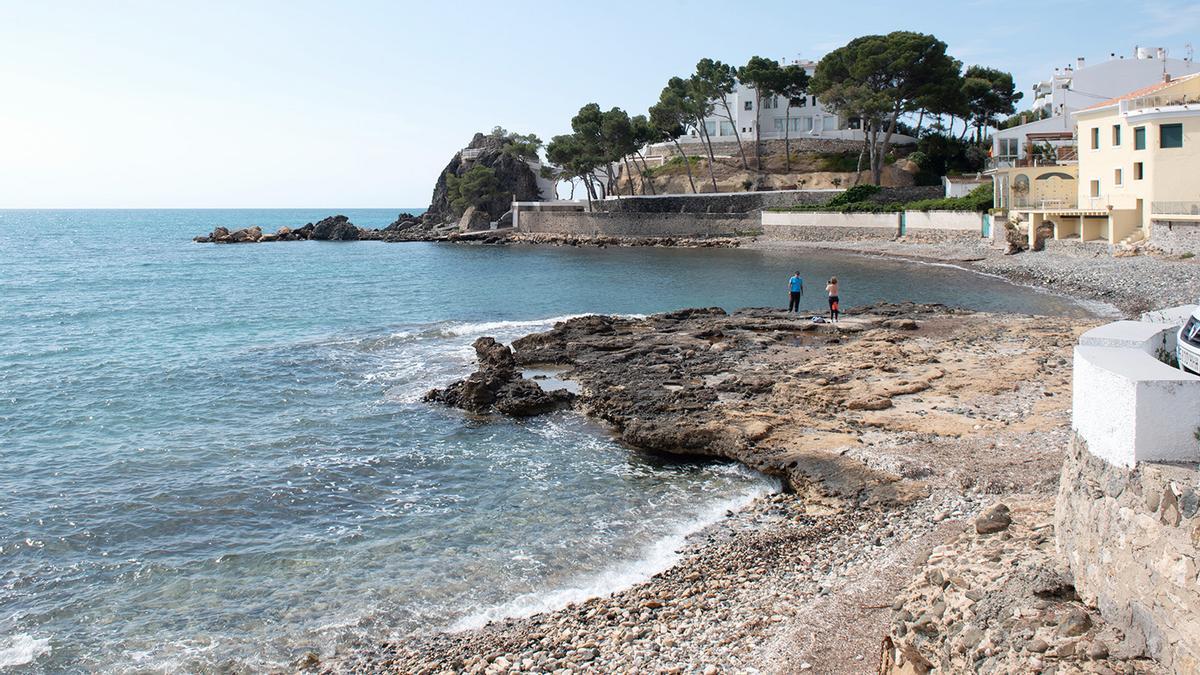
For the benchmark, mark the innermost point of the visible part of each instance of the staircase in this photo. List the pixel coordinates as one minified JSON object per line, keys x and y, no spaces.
{"x":1134,"y":237}
{"x":1131,"y":245}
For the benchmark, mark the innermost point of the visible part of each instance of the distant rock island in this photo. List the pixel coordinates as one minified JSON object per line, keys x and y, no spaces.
{"x":494,"y":169}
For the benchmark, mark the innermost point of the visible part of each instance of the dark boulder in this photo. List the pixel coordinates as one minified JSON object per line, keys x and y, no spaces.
{"x":404,"y":221}
{"x":334,"y":228}
{"x":498,"y":386}
{"x":247,"y":235}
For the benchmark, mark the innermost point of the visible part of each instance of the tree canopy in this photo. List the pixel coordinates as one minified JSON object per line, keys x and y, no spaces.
{"x":476,"y":187}
{"x":880,"y":77}
{"x":989,"y":94}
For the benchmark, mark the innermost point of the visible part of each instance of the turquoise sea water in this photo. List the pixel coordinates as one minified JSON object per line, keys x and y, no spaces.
{"x":216,"y":456}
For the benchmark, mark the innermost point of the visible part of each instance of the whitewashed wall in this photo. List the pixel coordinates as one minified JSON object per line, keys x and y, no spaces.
{"x":1129,"y":406}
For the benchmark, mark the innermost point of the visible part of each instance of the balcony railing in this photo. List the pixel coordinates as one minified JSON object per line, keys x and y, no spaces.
{"x":1064,"y":156}
{"x":1040,"y":204}
{"x":1175,"y":208}
{"x":1160,"y":101}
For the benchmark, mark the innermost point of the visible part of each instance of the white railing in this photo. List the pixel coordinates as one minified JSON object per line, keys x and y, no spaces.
{"x":1160,"y":101}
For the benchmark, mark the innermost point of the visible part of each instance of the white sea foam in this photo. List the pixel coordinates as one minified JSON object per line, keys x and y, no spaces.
{"x":474,"y":328}
{"x":21,"y":649}
{"x":661,"y":555}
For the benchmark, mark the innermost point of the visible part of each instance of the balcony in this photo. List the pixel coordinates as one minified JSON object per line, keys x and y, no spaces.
{"x":1182,"y":210}
{"x":1060,"y":156}
{"x":1159,"y":101}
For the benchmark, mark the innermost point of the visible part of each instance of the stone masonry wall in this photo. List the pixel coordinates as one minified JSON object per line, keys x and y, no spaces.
{"x":769,"y":147}
{"x":640,"y":224}
{"x":730,"y":202}
{"x":1132,"y":538}
{"x":745,"y":202}
{"x":1176,"y":237}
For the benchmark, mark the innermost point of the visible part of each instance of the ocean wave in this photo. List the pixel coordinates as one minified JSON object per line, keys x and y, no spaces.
{"x":661,"y":555}
{"x":460,"y":329}
{"x":21,"y":649}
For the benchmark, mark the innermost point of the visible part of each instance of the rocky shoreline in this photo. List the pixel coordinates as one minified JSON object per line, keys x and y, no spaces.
{"x":889,"y":444}
{"x":406,"y":227}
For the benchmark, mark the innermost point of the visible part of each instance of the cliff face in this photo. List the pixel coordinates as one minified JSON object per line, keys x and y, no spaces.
{"x":516,"y":180}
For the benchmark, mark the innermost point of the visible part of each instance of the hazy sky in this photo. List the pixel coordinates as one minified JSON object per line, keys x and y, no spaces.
{"x":360,"y":104}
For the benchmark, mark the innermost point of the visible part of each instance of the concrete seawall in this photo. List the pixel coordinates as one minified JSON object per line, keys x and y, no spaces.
{"x":677,"y":219}
{"x":581,"y":224}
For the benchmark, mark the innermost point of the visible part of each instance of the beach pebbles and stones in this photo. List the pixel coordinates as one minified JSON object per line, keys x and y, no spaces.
{"x":878,"y":500}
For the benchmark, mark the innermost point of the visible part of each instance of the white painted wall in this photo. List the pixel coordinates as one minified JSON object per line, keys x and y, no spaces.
{"x":1129,"y":406}
{"x":944,"y":220}
{"x":1076,"y":88}
{"x":883,"y":221}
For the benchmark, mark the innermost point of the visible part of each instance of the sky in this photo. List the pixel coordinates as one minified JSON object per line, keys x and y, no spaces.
{"x":270,"y":104}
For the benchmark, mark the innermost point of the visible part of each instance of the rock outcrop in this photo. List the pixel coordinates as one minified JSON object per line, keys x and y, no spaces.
{"x":334,"y":228}
{"x":516,"y":180}
{"x":406,"y":227}
{"x":498,"y":386}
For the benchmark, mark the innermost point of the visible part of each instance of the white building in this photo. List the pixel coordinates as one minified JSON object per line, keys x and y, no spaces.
{"x":1078,"y":87}
{"x":810,"y":119}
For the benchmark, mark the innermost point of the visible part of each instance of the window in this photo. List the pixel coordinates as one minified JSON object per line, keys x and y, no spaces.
{"x":1139,"y":138}
{"x":726,"y":129}
{"x":1138,"y":170}
{"x":749,"y":105}
{"x":1170,"y":136}
{"x":771,"y":102}
{"x":710,"y":127}
{"x":1095,"y":188}
{"x":1095,"y":138}
{"x":831,"y":124}
{"x":1116,"y":135}
{"x":1009,"y":147}
{"x":803,"y":102}
{"x":1117,"y":177}
{"x":794,"y":124}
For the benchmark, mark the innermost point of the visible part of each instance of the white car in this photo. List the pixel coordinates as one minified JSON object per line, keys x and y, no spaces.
{"x":1188,"y":349}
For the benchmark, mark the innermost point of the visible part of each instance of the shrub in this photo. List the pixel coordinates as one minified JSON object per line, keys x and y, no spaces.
{"x":840,"y":162}
{"x":857,"y":193}
{"x":857,"y":200}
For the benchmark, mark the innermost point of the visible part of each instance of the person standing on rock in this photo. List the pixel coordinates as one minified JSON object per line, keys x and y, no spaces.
{"x":796,"y":286}
{"x":832,"y":289}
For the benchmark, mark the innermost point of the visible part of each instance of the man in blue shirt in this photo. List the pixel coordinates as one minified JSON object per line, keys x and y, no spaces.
{"x":796,"y":284}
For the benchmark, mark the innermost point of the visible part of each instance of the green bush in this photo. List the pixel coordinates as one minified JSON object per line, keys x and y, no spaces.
{"x":673,"y":166}
{"x":979,"y":200}
{"x":839,"y":161}
{"x":857,"y":193}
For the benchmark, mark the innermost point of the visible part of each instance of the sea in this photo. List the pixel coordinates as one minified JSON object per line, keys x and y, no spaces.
{"x":216,"y":457}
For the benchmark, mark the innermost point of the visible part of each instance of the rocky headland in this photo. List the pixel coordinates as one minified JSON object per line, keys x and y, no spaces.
{"x":919,"y":448}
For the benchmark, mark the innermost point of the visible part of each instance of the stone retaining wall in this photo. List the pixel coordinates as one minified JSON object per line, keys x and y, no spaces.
{"x":640,"y":224}
{"x":769,"y":147}
{"x":729,"y":202}
{"x":745,"y":202}
{"x":1132,"y":538}
{"x":1176,"y":237}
